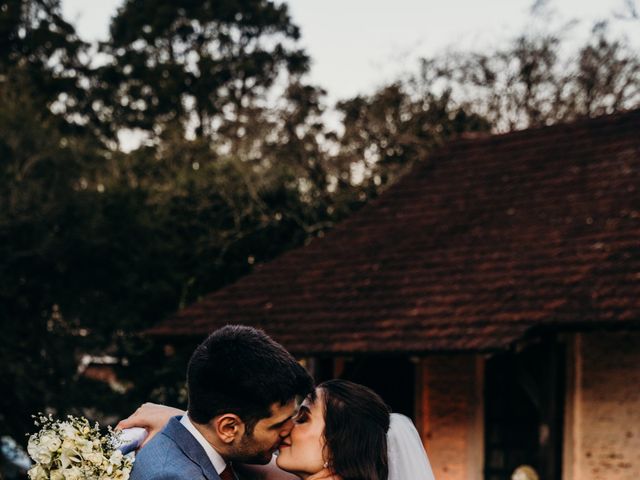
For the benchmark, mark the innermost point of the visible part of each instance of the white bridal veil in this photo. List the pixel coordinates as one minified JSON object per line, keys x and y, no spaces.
{"x":407,"y":457}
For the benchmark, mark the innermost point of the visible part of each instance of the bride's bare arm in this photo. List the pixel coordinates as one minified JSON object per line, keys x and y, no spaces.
{"x":150,"y":416}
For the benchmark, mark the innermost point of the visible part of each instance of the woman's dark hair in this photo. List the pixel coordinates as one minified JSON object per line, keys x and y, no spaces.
{"x":242,"y":370}
{"x":356,"y":424}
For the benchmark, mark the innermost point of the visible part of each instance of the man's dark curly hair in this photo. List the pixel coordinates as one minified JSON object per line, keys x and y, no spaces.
{"x":241,"y":370}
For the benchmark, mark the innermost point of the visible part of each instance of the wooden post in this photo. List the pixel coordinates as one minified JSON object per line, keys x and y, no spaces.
{"x":422,"y":400}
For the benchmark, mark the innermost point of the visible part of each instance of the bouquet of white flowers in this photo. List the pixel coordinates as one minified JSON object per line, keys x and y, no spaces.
{"x":75,"y":450}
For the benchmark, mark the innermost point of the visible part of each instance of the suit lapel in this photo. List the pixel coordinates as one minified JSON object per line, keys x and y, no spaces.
{"x":190,"y":447}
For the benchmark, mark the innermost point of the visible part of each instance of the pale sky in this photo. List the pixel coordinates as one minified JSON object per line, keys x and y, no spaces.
{"x":357,"y":45}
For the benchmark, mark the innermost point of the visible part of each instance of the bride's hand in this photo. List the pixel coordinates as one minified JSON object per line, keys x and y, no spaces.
{"x":324,"y":474}
{"x":150,"y":416}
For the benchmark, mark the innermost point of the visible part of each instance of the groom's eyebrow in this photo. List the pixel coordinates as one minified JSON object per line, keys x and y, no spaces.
{"x":279,"y":424}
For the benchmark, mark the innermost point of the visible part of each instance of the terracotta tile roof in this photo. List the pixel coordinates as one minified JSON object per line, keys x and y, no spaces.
{"x":487,"y":240}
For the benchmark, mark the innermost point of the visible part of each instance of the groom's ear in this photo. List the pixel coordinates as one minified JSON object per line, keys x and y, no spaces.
{"x":229,"y":427}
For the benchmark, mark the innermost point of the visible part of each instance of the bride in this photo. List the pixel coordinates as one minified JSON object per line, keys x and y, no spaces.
{"x":343,"y":430}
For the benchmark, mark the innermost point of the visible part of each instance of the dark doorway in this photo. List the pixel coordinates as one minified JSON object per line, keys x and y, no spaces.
{"x":393,"y":378}
{"x":523,"y":411}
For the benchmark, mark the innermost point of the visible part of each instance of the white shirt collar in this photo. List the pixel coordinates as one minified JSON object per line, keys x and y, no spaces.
{"x":216,"y":460}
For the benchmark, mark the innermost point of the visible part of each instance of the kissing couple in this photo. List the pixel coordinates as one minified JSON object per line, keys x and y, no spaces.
{"x":250,"y":400}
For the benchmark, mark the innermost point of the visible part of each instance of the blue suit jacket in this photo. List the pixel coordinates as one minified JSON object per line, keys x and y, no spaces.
{"x":173,"y":454}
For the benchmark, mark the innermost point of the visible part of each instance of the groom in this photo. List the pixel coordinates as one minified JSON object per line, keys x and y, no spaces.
{"x":242,"y":398}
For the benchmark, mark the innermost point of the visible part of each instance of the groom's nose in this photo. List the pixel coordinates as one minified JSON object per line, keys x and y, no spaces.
{"x":286,"y":428}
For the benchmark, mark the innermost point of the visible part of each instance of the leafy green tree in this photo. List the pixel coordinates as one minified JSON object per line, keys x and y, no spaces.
{"x":386,"y":133}
{"x":528,"y":84}
{"x":524,"y":84}
{"x":41,"y":51}
{"x":607,"y":77}
{"x":199,"y":65}
{"x":37,"y":171}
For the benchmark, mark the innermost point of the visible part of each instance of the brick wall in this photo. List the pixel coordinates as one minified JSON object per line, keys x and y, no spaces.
{"x":450,"y":410}
{"x":602,"y":431}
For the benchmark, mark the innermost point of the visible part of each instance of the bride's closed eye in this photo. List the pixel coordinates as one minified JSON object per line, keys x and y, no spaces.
{"x":302,"y":416}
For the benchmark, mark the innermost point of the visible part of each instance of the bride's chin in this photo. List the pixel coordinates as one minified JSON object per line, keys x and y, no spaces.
{"x":284,"y":465}
{"x":281,"y":463}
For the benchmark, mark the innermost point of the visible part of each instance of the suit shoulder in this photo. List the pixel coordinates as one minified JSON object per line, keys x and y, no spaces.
{"x":162,"y":459}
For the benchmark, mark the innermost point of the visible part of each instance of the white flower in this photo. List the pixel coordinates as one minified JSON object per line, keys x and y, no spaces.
{"x":32,"y":445}
{"x":38,"y":452}
{"x":84,"y":446}
{"x":73,"y":473}
{"x":116,"y":458}
{"x":69,"y":454}
{"x":68,"y":431}
{"x":38,"y":473}
{"x":51,"y":441}
{"x":95,"y":458}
